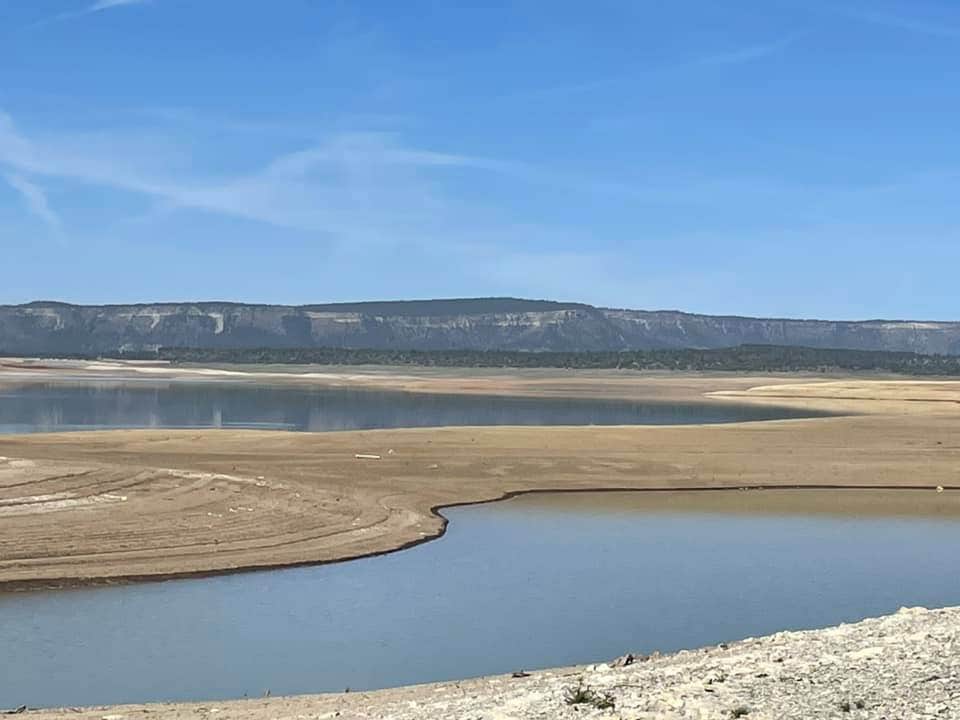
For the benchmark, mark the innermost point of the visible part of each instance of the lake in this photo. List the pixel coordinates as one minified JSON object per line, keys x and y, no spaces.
{"x":539,"y":580}
{"x":54,"y":407}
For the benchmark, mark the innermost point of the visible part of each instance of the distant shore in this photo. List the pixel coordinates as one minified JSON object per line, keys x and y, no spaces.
{"x":116,"y":506}
{"x":659,"y":385}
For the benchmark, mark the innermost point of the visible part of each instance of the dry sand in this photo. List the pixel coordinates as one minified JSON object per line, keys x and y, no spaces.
{"x":119,"y":505}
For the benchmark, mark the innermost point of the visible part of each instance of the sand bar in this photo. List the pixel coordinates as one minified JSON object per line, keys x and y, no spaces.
{"x":100,"y":507}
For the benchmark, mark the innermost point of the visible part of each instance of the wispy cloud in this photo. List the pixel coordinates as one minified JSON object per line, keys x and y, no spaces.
{"x":910,"y":22}
{"x":363,"y":187}
{"x":368,"y":189}
{"x":347,"y":184}
{"x":94,"y":8}
{"x":741,"y":55}
{"x":745,"y":54}
{"x":108,"y":4}
{"x":36,"y":200}
{"x":373,"y":190}
{"x":907,"y":24}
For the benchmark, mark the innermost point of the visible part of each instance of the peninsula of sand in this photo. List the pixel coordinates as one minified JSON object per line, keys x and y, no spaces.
{"x":121,"y":505}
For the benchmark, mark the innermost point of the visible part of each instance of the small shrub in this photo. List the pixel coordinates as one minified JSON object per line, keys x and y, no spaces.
{"x":585,"y":695}
{"x":579,"y":695}
{"x":740,"y":712}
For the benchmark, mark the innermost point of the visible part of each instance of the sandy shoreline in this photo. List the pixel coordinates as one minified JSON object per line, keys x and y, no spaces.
{"x":663,"y":386}
{"x":104,"y":507}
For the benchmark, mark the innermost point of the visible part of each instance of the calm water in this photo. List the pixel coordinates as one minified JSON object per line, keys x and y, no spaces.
{"x":153,"y":404}
{"x":536,"y":581}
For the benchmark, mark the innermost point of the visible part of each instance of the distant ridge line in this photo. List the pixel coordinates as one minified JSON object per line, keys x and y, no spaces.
{"x":522,"y":304}
{"x":494,"y":323}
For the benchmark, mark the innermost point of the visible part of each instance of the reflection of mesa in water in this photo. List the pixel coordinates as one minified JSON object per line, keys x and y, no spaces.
{"x":162,"y":404}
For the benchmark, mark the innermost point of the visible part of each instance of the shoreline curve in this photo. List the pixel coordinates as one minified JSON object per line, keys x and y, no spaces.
{"x":138,"y":505}
{"x":55,"y":584}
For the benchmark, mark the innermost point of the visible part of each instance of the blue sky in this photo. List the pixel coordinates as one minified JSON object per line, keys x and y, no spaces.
{"x":764,"y":157}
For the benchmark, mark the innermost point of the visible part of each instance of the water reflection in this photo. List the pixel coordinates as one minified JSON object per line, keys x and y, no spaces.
{"x":58,"y":407}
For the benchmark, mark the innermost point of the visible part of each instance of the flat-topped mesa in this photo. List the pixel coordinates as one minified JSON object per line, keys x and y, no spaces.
{"x":470,"y":324}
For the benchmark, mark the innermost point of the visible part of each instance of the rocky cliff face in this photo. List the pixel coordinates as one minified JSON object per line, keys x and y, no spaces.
{"x":485,"y":324}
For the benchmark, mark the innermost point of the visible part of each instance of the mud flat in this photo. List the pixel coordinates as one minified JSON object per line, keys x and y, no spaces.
{"x":102,"y":507}
{"x":905,"y":665}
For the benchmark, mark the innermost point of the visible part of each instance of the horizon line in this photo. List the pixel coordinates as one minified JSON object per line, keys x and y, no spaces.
{"x":463,"y":299}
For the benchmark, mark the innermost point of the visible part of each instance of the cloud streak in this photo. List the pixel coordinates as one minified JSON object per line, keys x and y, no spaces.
{"x":733,"y":57}
{"x":907,"y":24}
{"x":349,"y":184}
{"x":366,"y":189}
{"x":35,"y":200}
{"x":108,"y":4}
{"x":930,"y":26}
{"x":746,"y":54}
{"x":94,"y":8}
{"x":363,"y":187}
{"x":99,"y":7}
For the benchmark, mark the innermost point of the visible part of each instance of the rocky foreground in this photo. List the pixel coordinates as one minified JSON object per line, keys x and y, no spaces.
{"x":899,"y":667}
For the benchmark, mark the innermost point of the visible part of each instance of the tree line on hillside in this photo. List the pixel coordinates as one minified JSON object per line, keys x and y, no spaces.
{"x":744,"y":358}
